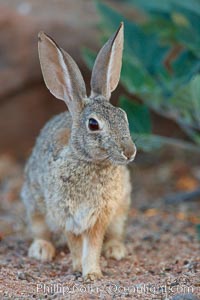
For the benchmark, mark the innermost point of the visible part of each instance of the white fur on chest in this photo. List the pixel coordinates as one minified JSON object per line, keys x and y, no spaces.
{"x":84,"y":218}
{"x":87,"y":203}
{"x":83,"y":195}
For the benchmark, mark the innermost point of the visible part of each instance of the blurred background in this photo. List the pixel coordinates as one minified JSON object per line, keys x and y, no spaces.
{"x":25,"y":103}
{"x":159,"y":89}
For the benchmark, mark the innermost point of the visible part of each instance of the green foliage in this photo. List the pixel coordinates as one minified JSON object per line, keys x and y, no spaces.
{"x":138,"y":115}
{"x":198,"y":231}
{"x":171,"y":87}
{"x":179,"y":20}
{"x":186,"y":102}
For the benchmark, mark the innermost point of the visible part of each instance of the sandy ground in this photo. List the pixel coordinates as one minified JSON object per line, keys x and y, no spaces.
{"x":163,"y":257}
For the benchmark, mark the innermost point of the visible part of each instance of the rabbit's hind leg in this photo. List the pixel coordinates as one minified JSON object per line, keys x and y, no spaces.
{"x":41,"y":248}
{"x":114,"y":239}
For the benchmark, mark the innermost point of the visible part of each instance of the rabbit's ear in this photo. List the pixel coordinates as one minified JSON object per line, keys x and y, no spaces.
{"x":107,"y":67}
{"x":61,"y":74}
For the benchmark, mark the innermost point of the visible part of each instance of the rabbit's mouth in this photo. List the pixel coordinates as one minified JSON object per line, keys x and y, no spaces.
{"x":129,"y":158}
{"x":123,"y":155}
{"x":121,"y":159}
{"x":113,"y":154}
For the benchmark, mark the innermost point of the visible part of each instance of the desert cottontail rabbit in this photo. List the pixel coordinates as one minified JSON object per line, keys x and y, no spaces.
{"x":76,"y":179}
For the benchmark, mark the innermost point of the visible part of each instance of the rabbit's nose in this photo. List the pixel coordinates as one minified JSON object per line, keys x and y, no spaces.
{"x":130,"y":151}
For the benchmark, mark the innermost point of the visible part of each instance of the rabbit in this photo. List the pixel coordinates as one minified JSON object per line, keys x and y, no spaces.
{"x":77,"y":183}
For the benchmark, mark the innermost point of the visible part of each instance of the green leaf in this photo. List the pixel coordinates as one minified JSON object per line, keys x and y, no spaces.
{"x":152,"y":5}
{"x":166,"y":7}
{"x":135,"y":78}
{"x":184,"y":67}
{"x":188,"y":13}
{"x":190,"y":40}
{"x":198,"y":231}
{"x":190,"y":6}
{"x":148,"y":142}
{"x":138,"y":116}
{"x":195,"y":93}
{"x":185,"y":103}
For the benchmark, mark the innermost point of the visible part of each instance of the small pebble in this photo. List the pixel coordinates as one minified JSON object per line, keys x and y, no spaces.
{"x":80,"y":279}
{"x":24,"y":276}
{"x":168,"y":269}
{"x":71,"y":277}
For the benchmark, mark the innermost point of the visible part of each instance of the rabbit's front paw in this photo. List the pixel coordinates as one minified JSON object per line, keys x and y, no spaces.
{"x":93,"y":276}
{"x":41,"y":250}
{"x":77,"y":266}
{"x":114,"y":249}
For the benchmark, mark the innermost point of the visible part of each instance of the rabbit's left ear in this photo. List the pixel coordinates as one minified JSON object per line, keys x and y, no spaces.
{"x":61,"y":74}
{"x":107,"y":67}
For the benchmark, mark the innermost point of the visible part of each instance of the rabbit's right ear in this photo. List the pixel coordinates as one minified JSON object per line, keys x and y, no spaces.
{"x":107,"y":66}
{"x":61,"y":74}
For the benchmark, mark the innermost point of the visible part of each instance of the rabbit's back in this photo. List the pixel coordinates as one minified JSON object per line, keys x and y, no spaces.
{"x":52,"y":139}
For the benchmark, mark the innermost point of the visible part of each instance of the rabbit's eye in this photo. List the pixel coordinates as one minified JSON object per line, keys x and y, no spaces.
{"x":93,"y":124}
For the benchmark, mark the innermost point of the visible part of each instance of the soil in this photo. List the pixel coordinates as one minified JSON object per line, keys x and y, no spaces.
{"x":163,"y":257}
